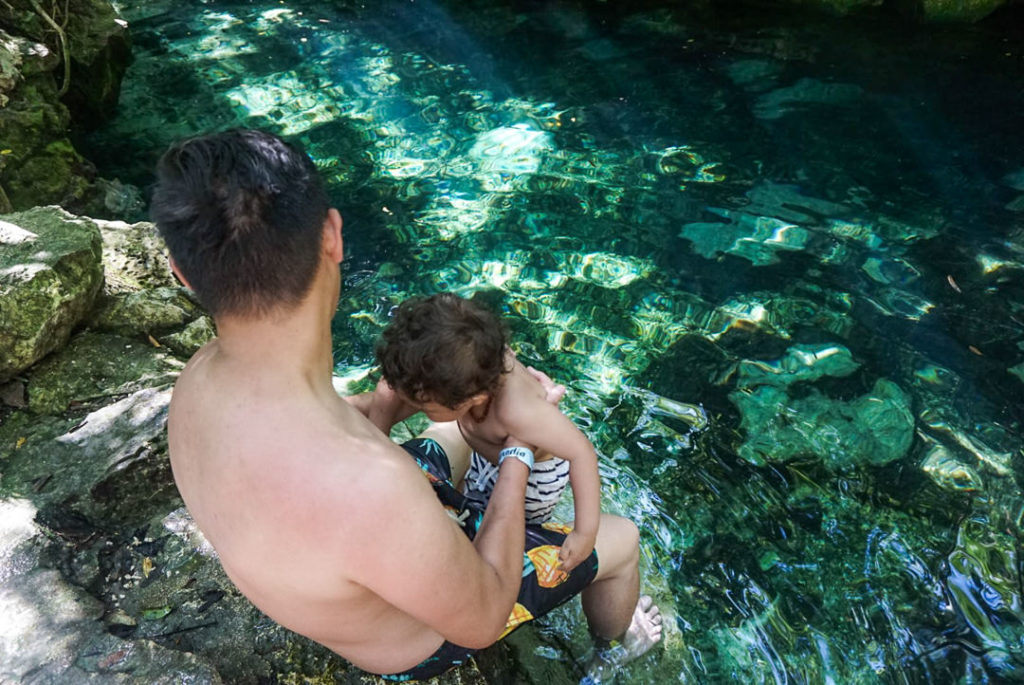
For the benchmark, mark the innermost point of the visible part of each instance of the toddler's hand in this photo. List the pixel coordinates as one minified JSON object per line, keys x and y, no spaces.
{"x":575,"y":549}
{"x":553,"y":392}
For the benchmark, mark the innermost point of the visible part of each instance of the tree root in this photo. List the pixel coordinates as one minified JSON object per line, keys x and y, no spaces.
{"x":62,"y":37}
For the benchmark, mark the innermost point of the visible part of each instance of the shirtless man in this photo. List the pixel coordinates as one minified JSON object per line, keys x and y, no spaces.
{"x":326,"y":525}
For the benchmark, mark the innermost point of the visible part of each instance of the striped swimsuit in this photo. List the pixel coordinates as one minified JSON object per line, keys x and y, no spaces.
{"x":543,"y":489}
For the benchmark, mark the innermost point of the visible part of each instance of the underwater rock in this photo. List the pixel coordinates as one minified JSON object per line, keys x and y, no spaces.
{"x":949,"y":472}
{"x":1015,"y":179}
{"x":783,"y":423}
{"x":876,"y":428}
{"x":758,"y":239}
{"x":951,"y":11}
{"x":801,"y":363}
{"x":50,"y":275}
{"x":1018,"y":371}
{"x":96,"y":365}
{"x":982,"y":585}
{"x":806,"y":91}
{"x":754,"y":75}
{"x":505,"y":155}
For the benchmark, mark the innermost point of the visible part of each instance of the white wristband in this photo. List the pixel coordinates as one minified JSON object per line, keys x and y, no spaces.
{"x":521,"y":453}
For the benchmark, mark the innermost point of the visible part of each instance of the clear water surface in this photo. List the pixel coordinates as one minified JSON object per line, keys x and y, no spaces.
{"x":779,"y":260}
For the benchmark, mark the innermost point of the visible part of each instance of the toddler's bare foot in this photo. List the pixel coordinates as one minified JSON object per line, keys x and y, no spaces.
{"x":643,"y":633}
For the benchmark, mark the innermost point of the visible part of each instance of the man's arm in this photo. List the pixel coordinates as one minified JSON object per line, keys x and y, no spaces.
{"x":417,"y":559}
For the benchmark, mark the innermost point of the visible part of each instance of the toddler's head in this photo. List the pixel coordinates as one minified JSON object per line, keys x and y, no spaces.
{"x":443,"y":352}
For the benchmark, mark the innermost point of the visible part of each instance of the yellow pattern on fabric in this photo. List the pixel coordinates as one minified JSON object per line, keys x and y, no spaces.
{"x":545,"y":561}
{"x":519,"y":616}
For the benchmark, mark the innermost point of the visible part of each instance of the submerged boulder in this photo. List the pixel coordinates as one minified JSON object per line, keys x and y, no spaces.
{"x":51,"y":272}
{"x":784,"y":418}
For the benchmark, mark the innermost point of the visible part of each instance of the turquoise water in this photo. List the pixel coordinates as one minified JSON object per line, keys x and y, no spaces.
{"x":779,"y":260}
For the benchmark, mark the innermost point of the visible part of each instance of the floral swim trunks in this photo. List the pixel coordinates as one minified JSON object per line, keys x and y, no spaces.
{"x":544,"y":586}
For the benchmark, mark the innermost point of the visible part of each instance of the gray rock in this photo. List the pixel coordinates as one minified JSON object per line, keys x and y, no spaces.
{"x":60,"y":459}
{"x":50,"y":274}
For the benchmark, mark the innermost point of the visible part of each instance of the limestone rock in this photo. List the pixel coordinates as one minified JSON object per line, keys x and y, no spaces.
{"x":134,"y":256}
{"x":97,"y":43}
{"x":50,"y":274}
{"x":148,"y":312}
{"x":195,"y":335}
{"x":95,"y":365}
{"x":39,"y":165}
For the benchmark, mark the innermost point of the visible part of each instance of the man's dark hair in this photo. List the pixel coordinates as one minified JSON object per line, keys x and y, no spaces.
{"x":443,"y":349}
{"x":242,"y":214}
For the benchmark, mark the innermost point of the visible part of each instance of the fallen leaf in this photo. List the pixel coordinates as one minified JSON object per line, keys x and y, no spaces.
{"x":153,"y":341}
{"x":6,"y":151}
{"x":147,"y":567}
{"x":155,"y":614}
{"x":21,"y":441}
{"x":112,"y":658}
{"x":952,"y":284}
{"x":975,"y":350}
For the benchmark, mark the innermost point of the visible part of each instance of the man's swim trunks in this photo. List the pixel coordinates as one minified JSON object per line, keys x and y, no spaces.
{"x":545,"y":585}
{"x":543,"y":488}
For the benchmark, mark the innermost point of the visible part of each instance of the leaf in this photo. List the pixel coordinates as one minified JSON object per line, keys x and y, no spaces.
{"x":153,"y":341}
{"x":21,"y":441}
{"x":155,"y":614}
{"x":147,"y":567}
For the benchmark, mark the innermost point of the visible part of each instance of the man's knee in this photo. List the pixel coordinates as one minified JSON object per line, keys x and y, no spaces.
{"x":618,"y":543}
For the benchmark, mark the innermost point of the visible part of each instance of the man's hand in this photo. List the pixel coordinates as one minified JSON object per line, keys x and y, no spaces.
{"x":575,"y":549}
{"x":553,"y":392}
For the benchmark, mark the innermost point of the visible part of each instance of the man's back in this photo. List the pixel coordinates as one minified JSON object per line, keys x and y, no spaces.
{"x":281,"y":479}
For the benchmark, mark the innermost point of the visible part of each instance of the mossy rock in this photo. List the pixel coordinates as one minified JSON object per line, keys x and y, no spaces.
{"x":51,"y":272}
{"x":147,"y":312}
{"x":188,"y":341}
{"x":96,"y":365}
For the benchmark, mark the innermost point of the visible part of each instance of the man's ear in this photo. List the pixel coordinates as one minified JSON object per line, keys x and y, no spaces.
{"x":333,"y":243}
{"x":177,"y":272}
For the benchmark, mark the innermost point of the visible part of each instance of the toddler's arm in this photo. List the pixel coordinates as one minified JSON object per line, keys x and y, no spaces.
{"x":535,"y":421}
{"x":386,"y":408}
